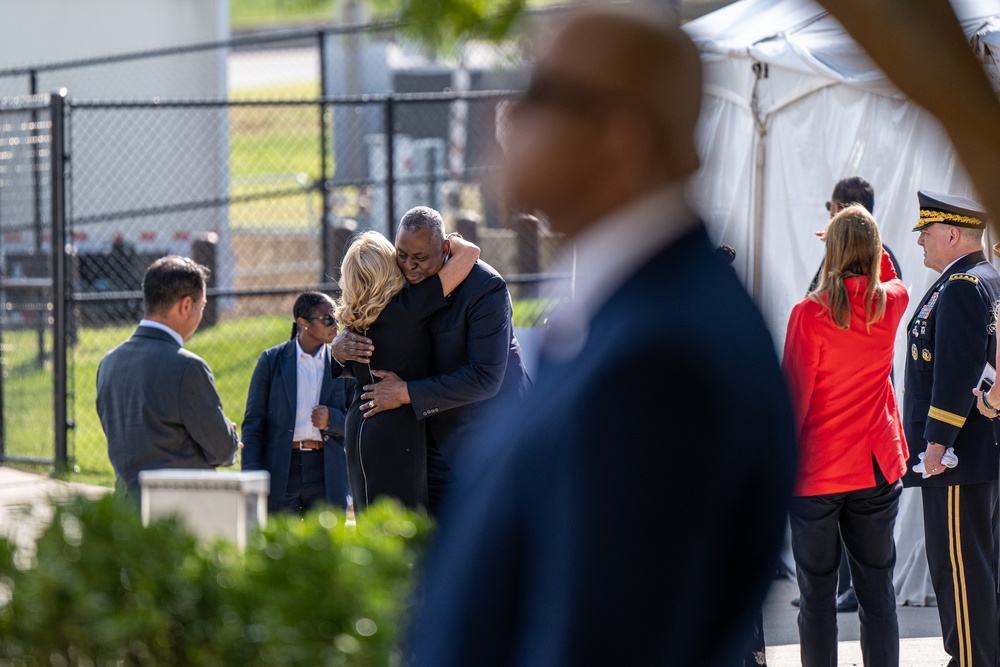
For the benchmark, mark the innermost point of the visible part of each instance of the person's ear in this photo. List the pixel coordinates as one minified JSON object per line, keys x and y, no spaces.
{"x":186,"y":305}
{"x":446,"y":247}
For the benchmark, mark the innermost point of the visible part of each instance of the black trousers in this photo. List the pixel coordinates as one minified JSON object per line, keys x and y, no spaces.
{"x":306,"y":484}
{"x":865,"y":520}
{"x":960,"y":537}
{"x":439,"y":477}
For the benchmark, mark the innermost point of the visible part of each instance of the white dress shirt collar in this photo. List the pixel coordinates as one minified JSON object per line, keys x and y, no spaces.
{"x":299,"y":352}
{"x":162,"y":327}
{"x":952,"y":262}
{"x":606,"y":255}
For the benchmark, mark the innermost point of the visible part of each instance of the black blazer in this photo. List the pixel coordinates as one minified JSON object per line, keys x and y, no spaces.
{"x":269,"y":423}
{"x":630,"y":511}
{"x":948,"y":343}
{"x":477,"y":360}
{"x":159,"y":409}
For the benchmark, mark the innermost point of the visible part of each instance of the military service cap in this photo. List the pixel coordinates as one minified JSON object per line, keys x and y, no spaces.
{"x":950,"y":210}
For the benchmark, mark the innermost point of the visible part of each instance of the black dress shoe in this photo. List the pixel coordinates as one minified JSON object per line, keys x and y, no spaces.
{"x":847,"y":601}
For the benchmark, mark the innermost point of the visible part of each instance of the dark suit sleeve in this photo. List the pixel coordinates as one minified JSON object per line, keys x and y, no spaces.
{"x":201,"y":412}
{"x":480,"y":378}
{"x":960,"y":345}
{"x":338,"y":413}
{"x":255,"y":417}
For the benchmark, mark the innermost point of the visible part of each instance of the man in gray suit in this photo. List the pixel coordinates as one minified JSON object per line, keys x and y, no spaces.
{"x":157,"y":401}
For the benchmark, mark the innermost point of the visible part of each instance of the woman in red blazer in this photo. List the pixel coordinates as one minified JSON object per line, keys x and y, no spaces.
{"x":838,"y":359}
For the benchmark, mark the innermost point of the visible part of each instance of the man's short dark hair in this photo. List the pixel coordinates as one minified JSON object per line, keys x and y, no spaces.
{"x":855,"y":190}
{"x":423,"y":217}
{"x":170,"y":279}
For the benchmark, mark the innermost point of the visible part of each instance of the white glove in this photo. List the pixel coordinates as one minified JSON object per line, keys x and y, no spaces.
{"x":949,"y":460}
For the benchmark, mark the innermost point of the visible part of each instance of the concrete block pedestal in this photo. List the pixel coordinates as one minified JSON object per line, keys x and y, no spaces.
{"x":212,"y":504}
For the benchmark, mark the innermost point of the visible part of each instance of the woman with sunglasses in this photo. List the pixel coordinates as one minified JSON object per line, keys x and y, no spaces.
{"x":387,"y":451}
{"x":294,"y":422}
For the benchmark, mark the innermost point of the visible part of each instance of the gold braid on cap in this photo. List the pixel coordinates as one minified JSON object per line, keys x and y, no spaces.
{"x":940,"y":216}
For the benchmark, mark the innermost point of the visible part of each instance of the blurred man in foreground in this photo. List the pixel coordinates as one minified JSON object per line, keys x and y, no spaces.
{"x":157,"y":401}
{"x":630,"y":514}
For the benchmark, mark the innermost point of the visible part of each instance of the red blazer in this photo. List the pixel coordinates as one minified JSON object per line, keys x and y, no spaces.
{"x":846,"y":410}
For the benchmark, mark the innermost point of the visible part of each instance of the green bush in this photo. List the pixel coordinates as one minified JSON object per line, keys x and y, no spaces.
{"x":101,"y":589}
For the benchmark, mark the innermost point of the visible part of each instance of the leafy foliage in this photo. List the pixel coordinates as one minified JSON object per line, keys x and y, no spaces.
{"x":101,"y":589}
{"x":441,"y":24}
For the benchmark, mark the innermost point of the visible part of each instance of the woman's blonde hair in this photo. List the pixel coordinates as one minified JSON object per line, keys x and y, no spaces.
{"x":369,"y":278}
{"x":853,"y":249}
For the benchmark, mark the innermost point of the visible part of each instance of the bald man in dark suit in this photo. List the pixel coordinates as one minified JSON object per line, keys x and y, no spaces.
{"x":630,"y":512}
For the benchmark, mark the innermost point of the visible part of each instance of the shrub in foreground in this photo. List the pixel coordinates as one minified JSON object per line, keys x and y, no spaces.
{"x":100,"y":589}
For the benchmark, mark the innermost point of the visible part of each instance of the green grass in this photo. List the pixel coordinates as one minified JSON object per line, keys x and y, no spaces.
{"x":230,"y":348}
{"x":261,"y":13}
{"x":532,"y":313}
{"x":270,"y":146}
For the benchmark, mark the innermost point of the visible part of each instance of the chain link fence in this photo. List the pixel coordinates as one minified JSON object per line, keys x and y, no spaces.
{"x":259,"y":157}
{"x":26,"y":293}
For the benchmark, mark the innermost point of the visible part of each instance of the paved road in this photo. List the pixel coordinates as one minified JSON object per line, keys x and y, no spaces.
{"x":25,"y":501}
{"x":919,"y":629}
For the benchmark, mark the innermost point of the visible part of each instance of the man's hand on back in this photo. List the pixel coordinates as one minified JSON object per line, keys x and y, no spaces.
{"x":349,"y":346}
{"x":388,"y":394}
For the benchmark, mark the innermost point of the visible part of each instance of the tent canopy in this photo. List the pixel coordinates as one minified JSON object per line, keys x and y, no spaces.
{"x":801,"y":36}
{"x":792,"y":104}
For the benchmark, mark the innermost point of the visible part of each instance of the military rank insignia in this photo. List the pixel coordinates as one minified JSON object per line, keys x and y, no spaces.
{"x":968,"y":277}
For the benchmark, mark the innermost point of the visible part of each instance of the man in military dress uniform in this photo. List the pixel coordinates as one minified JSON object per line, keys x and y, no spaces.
{"x":949,"y":342}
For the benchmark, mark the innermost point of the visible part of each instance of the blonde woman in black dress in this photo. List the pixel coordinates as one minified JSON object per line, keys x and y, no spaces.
{"x":387,"y":452}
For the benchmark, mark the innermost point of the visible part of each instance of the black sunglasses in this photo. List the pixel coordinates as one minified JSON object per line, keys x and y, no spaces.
{"x":566,"y":95}
{"x":328,"y":320}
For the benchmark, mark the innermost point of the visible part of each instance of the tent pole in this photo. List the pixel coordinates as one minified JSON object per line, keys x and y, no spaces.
{"x":760,"y":162}
{"x":758,"y":210}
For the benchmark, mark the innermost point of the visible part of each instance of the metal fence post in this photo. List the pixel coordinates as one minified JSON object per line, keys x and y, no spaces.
{"x":60,"y":321}
{"x":527,"y":230}
{"x":390,"y":166}
{"x":324,"y":143}
{"x":36,"y":186}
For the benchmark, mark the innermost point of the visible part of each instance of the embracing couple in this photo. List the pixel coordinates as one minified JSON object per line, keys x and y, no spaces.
{"x":427,"y":334}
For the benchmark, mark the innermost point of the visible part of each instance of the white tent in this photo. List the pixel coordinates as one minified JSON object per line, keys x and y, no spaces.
{"x":792,"y":104}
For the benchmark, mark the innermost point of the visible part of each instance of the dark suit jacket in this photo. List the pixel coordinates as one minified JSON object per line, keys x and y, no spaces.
{"x":948,"y":343}
{"x":630,"y":512}
{"x":159,"y":409}
{"x":269,"y":423}
{"x":477,"y":358}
